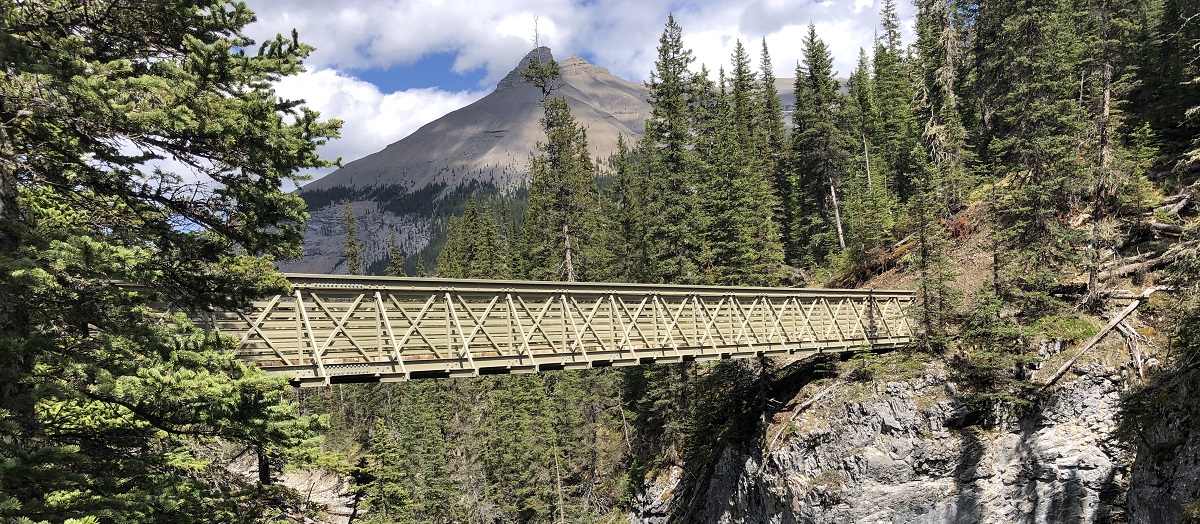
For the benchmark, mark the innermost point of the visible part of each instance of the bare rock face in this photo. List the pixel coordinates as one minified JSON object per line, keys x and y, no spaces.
{"x":900,"y":452}
{"x":493,"y":139}
{"x":1165,"y":481}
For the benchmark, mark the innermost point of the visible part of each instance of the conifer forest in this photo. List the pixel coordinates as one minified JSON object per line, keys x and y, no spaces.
{"x":1061,"y":137}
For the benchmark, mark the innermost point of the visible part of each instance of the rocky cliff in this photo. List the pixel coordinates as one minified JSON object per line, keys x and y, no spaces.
{"x":911,"y":451}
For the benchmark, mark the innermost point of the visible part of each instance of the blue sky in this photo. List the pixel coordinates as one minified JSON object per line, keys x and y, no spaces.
{"x":387,"y":67}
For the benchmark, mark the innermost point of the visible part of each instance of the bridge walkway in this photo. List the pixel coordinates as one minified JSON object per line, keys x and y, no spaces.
{"x":355,"y":329}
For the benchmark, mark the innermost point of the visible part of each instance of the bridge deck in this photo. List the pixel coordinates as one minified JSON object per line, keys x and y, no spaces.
{"x":348,"y":328}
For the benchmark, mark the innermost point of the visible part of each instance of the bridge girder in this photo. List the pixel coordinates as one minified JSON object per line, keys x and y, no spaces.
{"x":353,"y":329}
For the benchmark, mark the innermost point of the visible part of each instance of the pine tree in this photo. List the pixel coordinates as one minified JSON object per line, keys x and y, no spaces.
{"x":1034,"y":143}
{"x":395,"y":267}
{"x":474,"y":248}
{"x":769,"y":123}
{"x":108,"y":411}
{"x":625,"y":213}
{"x":869,"y":204}
{"x":353,"y":250}
{"x":386,"y":499}
{"x":898,"y":133}
{"x":943,"y":172}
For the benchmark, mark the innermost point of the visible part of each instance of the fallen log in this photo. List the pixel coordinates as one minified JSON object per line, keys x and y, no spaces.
{"x":1107,"y":266}
{"x":1166,"y":229}
{"x":1100,"y":336}
{"x":1166,"y":257}
{"x":1133,"y":340}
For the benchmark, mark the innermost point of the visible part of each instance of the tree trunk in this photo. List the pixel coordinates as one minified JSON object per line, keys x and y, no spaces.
{"x":866,"y":158}
{"x":567,"y":257}
{"x":837,"y":215}
{"x":264,"y":466}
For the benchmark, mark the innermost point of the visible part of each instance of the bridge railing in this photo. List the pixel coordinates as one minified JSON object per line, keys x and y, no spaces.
{"x":345,"y":328}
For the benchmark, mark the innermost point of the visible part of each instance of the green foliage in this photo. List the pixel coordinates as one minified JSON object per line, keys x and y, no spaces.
{"x":1069,"y":328}
{"x":867,"y":366}
{"x":474,"y":248}
{"x":671,"y":244}
{"x":110,"y":412}
{"x":542,"y":72}
{"x":565,"y":233}
{"x":820,"y":152}
{"x":746,"y":248}
{"x":395,"y":260}
{"x":993,"y":357}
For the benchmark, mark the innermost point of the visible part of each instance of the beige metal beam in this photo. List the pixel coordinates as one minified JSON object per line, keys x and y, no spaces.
{"x":351,"y":328}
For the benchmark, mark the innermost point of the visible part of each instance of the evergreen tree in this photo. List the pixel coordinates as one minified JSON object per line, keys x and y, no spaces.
{"x":1109,"y":31}
{"x":474,"y":248}
{"x":868,"y":202}
{"x":110,"y":412}
{"x":1034,"y":131}
{"x":1170,"y":67}
{"x":769,"y":123}
{"x":820,"y":154}
{"x":395,"y":267}
{"x":386,"y":500}
{"x":745,"y":243}
{"x":943,"y":177}
{"x":898,"y":134}
{"x":564,"y":233}
{"x":625,"y":213}
{"x":674,"y":250}
{"x":353,"y":250}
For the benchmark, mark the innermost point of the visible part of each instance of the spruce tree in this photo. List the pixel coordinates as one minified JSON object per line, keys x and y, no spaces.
{"x":564,"y":234}
{"x":1034,"y":128}
{"x":625,"y":214}
{"x":898,"y":133}
{"x":386,"y":499}
{"x":474,"y":248}
{"x":745,"y":242}
{"x":1171,"y":66}
{"x":110,"y":412}
{"x":395,"y":266}
{"x":768,"y":122}
{"x":819,"y":157}
{"x":674,"y":248}
{"x":943,"y":173}
{"x":869,"y":204}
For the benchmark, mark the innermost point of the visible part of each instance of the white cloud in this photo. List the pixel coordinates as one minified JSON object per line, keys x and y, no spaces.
{"x":372,"y":119}
{"x":620,"y":34}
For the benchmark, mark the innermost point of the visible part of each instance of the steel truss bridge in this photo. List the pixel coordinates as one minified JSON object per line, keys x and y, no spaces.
{"x":362,"y":329}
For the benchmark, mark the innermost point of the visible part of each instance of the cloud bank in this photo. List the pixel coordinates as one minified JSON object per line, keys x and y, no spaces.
{"x":488,"y":38}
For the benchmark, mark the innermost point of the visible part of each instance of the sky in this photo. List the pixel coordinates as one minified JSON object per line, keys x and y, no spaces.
{"x":387,"y":67}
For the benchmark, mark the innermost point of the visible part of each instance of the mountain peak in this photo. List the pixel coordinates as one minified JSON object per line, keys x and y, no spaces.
{"x":513,"y":78}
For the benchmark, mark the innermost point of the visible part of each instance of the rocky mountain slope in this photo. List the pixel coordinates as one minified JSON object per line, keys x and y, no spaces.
{"x":901,"y":449}
{"x":484,"y":148}
{"x":492,"y":139}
